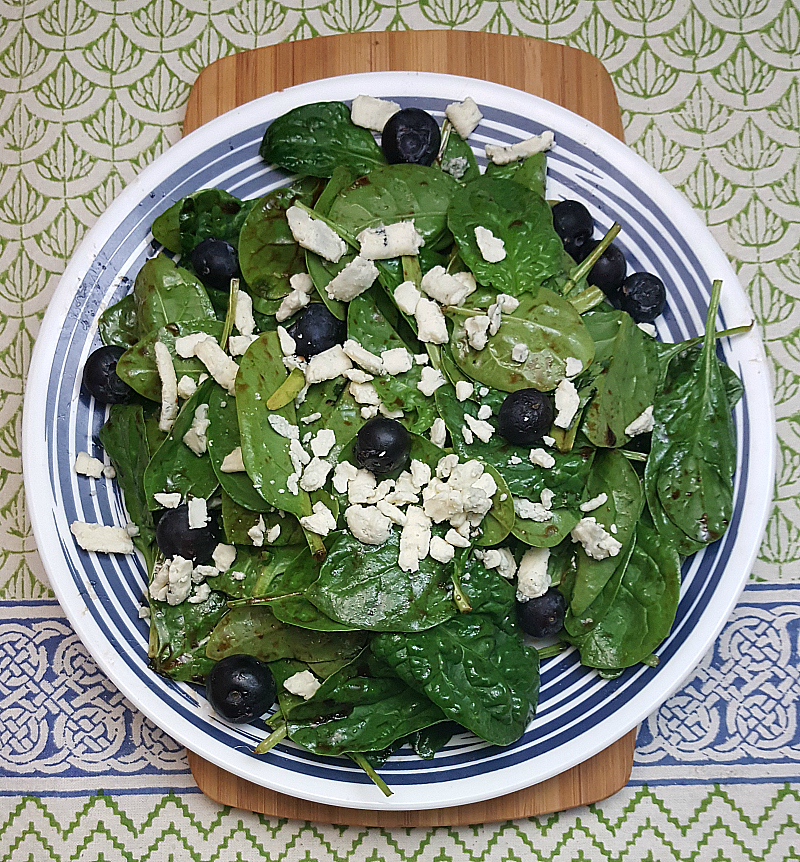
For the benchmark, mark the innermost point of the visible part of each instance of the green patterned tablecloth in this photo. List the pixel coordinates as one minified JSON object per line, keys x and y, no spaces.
{"x":92,"y":90}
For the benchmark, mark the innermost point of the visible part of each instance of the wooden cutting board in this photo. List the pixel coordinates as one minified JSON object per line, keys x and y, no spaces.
{"x":562,"y":75}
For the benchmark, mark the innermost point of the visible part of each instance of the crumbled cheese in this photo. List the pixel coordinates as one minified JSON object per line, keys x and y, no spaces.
{"x":323,"y":442}
{"x":481,"y":429}
{"x":273,"y":534}
{"x":430,"y":381}
{"x":243,"y":314}
{"x":597,"y":543}
{"x":532,"y":579}
{"x":649,"y":328}
{"x":494,"y":313}
{"x":438,"y":432}
{"x":315,"y":235}
{"x":195,"y":438}
{"x":642,"y":424}
{"x":420,"y":473}
{"x":440,"y":550}
{"x":256,"y":532}
{"x":200,"y":594}
{"x":186,"y":345}
{"x":299,"y":458}
{"x":492,"y":248}
{"x":303,"y":683}
{"x":343,"y":474}
{"x":501,"y":559}
{"x":321,"y":521}
{"x":505,"y":155}
{"x":381,"y":491}
{"x":421,"y":358}
{"x":353,"y":280}
{"x":361,"y":356}
{"x":198,"y":513}
{"x":531,"y":511}
{"x":392,"y":512}
{"x":548,"y":440}
{"x":456,"y":166}
{"x":405,"y":490}
{"x":466,"y":433}
{"x":281,"y":425}
{"x":168,"y":501}
{"x":391,"y":240}
{"x":328,"y":365}
{"x":541,"y":458}
{"x":291,"y":304}
{"x":311,"y":418}
{"x":515,"y":459}
{"x":315,"y":475}
{"x":85,"y":465}
{"x":186,"y":387}
{"x":463,"y":499}
{"x":238,"y":344}
{"x":445,"y":288}
{"x":224,"y":556}
{"x":519,"y":352}
{"x":371,"y":113}
{"x":507,"y":304}
{"x":131,"y":529}
{"x":547,"y":496}
{"x":573,"y":367}
{"x":397,"y":360}
{"x":567,"y":403}
{"x":484,"y":411}
{"x":613,"y":528}
{"x":415,"y":539}
{"x":456,"y":539}
{"x":406,"y":297}
{"x":594,"y":503}
{"x":361,"y":486}
{"x":446,"y":465}
{"x":172,"y":581}
{"x":233,"y":462}
{"x":288,"y":344}
{"x":464,"y":390}
{"x":477,"y":331}
{"x":169,"y":387}
{"x":431,"y":323}
{"x":368,"y":524}
{"x":464,"y":116}
{"x":220,"y":366}
{"x":365,"y":393}
{"x":101,"y":539}
{"x":369,"y":412}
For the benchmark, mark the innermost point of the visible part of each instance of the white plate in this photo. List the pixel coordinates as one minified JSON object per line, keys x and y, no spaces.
{"x":579,"y":713}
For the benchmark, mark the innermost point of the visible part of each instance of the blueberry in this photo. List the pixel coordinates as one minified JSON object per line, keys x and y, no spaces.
{"x":100,"y":377}
{"x":572,"y":222}
{"x":240,"y":688}
{"x":176,"y":539}
{"x":543,"y":616}
{"x":643,"y":296}
{"x":316,"y":330}
{"x":215,"y":262}
{"x":525,"y":416}
{"x":382,"y":446}
{"x":608,"y":272}
{"x":411,"y":136}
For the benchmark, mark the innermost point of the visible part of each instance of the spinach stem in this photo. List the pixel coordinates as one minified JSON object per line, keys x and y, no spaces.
{"x":552,"y":650}
{"x":227,"y":329}
{"x":587,"y":299}
{"x":364,"y":764}
{"x":317,"y":546}
{"x":280,"y":732}
{"x":633,"y":456}
{"x":583,"y":268}
{"x":260,"y":600}
{"x":462,"y":602}
{"x":288,"y":390}
{"x":345,"y":235}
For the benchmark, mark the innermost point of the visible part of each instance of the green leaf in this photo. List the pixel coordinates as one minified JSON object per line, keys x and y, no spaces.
{"x":211,"y":213}
{"x":118,"y":324}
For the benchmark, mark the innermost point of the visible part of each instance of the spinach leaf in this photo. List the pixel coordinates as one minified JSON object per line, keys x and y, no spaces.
{"x":546,"y":534}
{"x":265,"y":452}
{"x":479,"y":673}
{"x":693,"y":452}
{"x":613,"y":475}
{"x":546,"y":324}
{"x":396,"y":193}
{"x":340,"y":413}
{"x":178,"y":637}
{"x":643,"y":609}
{"x":531,"y":173}
{"x":255,"y":630}
{"x":249,"y":562}
{"x":521,"y":219}
{"x":625,"y":388}
{"x":363,"y":586}
{"x":211,"y":213}
{"x":165,"y":293}
{"x":604,"y":324}
{"x":137,"y":365}
{"x":458,"y":160}
{"x":174,"y":467}
{"x":268,"y":253}
{"x":314,"y":139}
{"x":118,"y":324}
{"x":238,"y":521}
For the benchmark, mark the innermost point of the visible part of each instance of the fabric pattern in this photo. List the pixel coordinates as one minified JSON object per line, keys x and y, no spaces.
{"x":90,"y":92}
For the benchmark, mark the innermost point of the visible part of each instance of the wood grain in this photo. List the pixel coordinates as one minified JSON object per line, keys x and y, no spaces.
{"x":563,"y":75}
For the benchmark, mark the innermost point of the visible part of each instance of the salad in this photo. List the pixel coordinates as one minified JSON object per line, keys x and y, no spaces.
{"x":383,"y":430}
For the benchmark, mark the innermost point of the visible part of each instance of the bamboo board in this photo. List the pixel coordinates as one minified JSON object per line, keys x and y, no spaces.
{"x":566,"y":76}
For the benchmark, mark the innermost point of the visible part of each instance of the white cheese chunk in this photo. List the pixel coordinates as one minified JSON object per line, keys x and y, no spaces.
{"x":361,"y":487}
{"x":243,"y":314}
{"x":541,"y":458}
{"x":396,"y":361}
{"x":501,"y":559}
{"x":444,"y":288}
{"x":303,"y":684}
{"x":201,"y":592}
{"x":256,"y":532}
{"x":477,"y":329}
{"x":288,"y":344}
{"x":597,"y":543}
{"x":532,"y":578}
{"x":323,"y":442}
{"x":365,"y":393}
{"x":456,"y":539}
{"x":466,"y":433}
{"x":224,"y":556}
{"x":501,"y":155}
{"x":594,"y":503}
{"x":371,"y":113}
{"x":567,"y":403}
{"x":519,"y":352}
{"x":315,"y":235}
{"x":438,"y":433}
{"x":315,"y":475}
{"x":430,"y":381}
{"x":281,"y":425}
{"x":85,"y":465}
{"x":198,"y":513}
{"x":548,"y":440}
{"x":431,"y":323}
{"x":391,"y":240}
{"x":381,"y":491}
{"x":415,"y":539}
{"x":101,"y":539}
{"x":481,"y":429}
{"x":361,"y":356}
{"x":406,"y":297}
{"x":291,"y":304}
{"x":421,"y":358}
{"x":420,"y":473}
{"x":547,"y":497}
{"x":353,"y":280}
{"x":321,"y":521}
{"x":642,"y":424}
{"x":186,"y":387}
{"x":343,"y":474}
{"x":358,"y":375}
{"x":484,"y":411}
{"x":185,"y":345}
{"x":169,"y":386}
{"x":392,"y":512}
{"x":456,"y":166}
{"x":195,"y":438}
{"x":491,"y":247}
{"x":273,"y":534}
{"x":109,"y":472}
{"x":649,"y":328}
{"x":238,"y":344}
{"x":312,"y":417}
{"x":573,"y":367}
{"x":368,"y":524}
{"x":233,"y":462}
{"x":172,"y":581}
{"x":168,"y":501}
{"x":531,"y":511}
{"x":369,"y":412}
{"x":328,"y":365}
{"x":464,"y":116}
{"x":464,"y":390}
{"x":440,"y":550}
{"x":220,"y":366}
